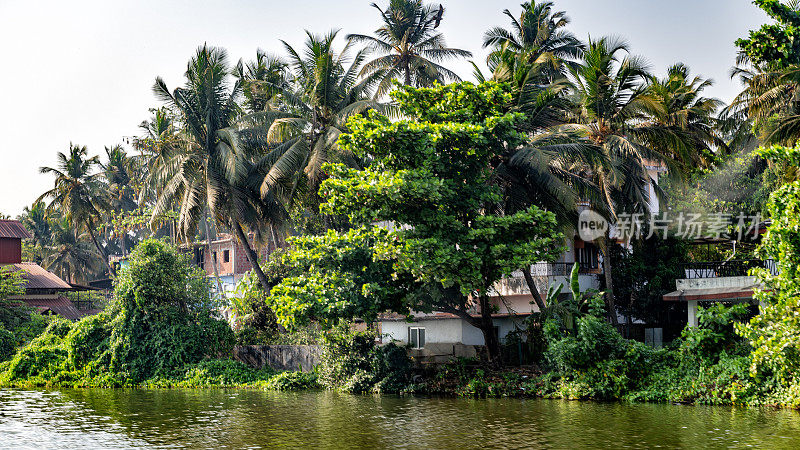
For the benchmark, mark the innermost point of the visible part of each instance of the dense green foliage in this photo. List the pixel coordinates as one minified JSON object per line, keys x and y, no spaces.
{"x":160,"y":321}
{"x":775,"y":332}
{"x":776,"y":43}
{"x":19,"y":323}
{"x":432,"y":179}
{"x":352,"y":362}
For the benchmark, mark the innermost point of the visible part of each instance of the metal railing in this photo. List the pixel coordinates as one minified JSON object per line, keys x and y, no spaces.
{"x":732,"y":268}
{"x":561,"y":269}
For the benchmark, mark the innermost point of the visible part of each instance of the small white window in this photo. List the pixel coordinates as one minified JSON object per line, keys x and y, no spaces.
{"x":416,"y":337}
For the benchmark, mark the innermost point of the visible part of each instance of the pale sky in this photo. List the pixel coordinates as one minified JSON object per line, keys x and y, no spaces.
{"x":80,"y":71}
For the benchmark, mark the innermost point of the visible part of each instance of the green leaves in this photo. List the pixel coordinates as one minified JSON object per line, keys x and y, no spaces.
{"x":429,"y":213}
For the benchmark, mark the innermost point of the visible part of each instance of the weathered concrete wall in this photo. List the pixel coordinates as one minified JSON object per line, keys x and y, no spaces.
{"x":279,"y":357}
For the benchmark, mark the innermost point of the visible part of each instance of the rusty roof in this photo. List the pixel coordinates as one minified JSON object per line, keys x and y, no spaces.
{"x":36,"y":277}
{"x":57,"y":305}
{"x":13,"y":229}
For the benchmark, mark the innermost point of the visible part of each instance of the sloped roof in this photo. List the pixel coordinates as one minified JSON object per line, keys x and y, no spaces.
{"x":36,"y":277}
{"x":13,"y":229}
{"x":57,"y":305}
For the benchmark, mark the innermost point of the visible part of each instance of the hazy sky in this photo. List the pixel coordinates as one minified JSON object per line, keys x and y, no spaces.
{"x":81,"y":72}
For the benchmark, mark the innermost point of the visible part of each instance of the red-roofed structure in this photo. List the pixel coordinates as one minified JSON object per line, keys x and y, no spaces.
{"x":43,"y":289}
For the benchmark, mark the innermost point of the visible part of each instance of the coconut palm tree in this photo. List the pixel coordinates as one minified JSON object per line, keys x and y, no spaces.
{"x":36,"y":220}
{"x":689,"y":115}
{"x":411,"y":50}
{"x":614,"y":108}
{"x":324,"y":92}
{"x":68,"y":253}
{"x":205,"y":175}
{"x":262,"y":79}
{"x":79,"y":194}
{"x":536,"y":48}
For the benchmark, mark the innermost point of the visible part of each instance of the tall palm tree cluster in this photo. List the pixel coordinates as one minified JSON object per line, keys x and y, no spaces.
{"x":241,"y":147}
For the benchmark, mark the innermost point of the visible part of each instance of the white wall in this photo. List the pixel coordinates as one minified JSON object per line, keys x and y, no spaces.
{"x":445,"y":331}
{"x":439,"y":331}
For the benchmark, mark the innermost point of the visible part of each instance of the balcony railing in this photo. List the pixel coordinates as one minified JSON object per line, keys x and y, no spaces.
{"x":732,"y":268}
{"x":561,"y":269}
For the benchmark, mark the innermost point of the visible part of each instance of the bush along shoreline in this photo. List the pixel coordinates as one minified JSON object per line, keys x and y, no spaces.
{"x":161,"y":332}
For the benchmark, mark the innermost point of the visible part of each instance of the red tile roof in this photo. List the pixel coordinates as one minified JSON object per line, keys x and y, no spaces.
{"x":37,"y":277}
{"x":13,"y":229}
{"x":57,"y":305}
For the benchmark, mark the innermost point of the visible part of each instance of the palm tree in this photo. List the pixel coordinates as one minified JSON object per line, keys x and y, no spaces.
{"x":122,"y":176}
{"x":36,"y":220}
{"x":68,"y":253}
{"x":79,"y":194}
{"x":614,"y":107}
{"x":409,"y":45}
{"x":689,"y":115}
{"x":303,"y":135}
{"x":262,"y":80}
{"x":536,"y":48}
{"x":205,"y":175}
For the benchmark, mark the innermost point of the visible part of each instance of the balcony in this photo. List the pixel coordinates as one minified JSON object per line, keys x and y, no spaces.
{"x":731,"y":268}
{"x":546,"y":275}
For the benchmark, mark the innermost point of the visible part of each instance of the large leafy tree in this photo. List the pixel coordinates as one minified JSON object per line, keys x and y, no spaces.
{"x":778,"y":43}
{"x":208,"y":173}
{"x":79,"y":194}
{"x":410,"y":47}
{"x":432,"y":178}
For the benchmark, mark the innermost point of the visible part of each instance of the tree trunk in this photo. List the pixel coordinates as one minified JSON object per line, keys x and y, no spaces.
{"x":407,"y":70}
{"x":487,"y":328}
{"x":537,"y":297}
{"x":211,"y":254}
{"x":612,"y":309}
{"x":103,"y":255}
{"x":252,"y":257}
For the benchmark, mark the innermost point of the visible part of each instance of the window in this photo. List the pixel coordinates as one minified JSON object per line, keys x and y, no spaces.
{"x":200,"y":257}
{"x":416,"y":337}
{"x":588,"y":257}
{"x":214,"y":257}
{"x":226,"y":256}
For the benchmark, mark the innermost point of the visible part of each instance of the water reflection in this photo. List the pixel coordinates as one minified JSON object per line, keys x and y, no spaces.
{"x":251,"y":419}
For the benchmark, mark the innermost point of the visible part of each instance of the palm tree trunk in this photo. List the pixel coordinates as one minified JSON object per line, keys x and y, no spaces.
{"x":612,"y":309}
{"x":407,"y":70}
{"x":103,"y":255}
{"x":537,"y":297}
{"x":252,"y":257}
{"x":210,"y":253}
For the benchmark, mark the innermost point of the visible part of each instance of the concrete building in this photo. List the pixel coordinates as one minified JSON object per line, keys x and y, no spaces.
{"x":723,"y":281}
{"x":229,"y":257}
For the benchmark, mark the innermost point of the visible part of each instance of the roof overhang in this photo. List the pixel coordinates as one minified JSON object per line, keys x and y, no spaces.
{"x":717,"y":294}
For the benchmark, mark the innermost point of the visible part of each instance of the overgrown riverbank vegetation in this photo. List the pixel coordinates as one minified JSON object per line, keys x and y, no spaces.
{"x":382,"y":188}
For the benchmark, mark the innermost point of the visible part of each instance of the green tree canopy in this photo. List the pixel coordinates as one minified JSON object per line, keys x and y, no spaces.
{"x":775,"y":43}
{"x":430,"y":189}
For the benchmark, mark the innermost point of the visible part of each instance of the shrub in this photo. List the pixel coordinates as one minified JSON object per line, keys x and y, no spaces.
{"x":352,"y":362}
{"x":8,"y":344}
{"x":290,"y":381}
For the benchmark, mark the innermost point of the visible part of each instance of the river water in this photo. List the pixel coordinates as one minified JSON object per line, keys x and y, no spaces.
{"x":96,"y":418}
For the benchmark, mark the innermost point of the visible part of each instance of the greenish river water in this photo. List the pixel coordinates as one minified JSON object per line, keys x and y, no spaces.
{"x":96,"y":418}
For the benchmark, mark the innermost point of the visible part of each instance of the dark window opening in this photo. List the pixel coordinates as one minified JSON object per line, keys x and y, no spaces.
{"x":226,"y":255}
